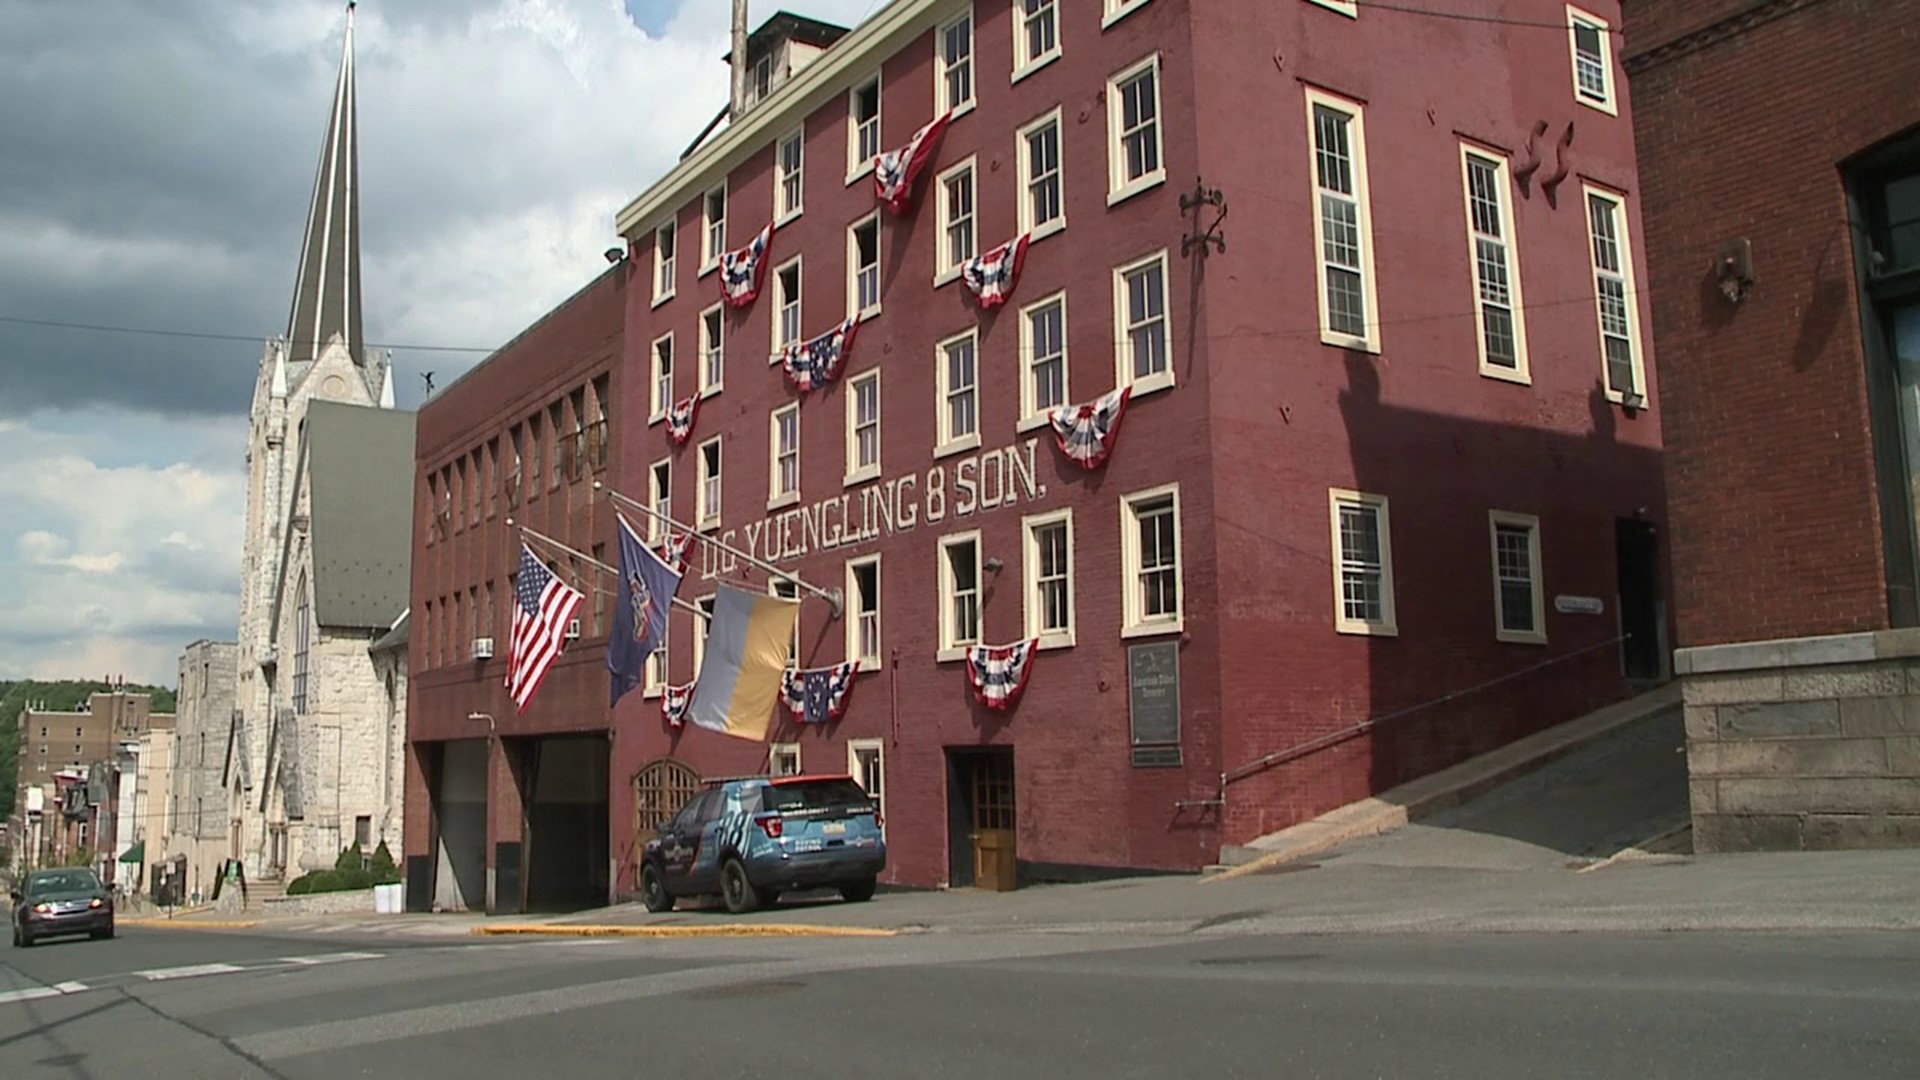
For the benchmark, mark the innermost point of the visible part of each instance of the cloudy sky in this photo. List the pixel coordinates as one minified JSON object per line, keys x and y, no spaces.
{"x":157,"y":163}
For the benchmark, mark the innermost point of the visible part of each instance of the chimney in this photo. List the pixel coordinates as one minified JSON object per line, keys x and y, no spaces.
{"x":739,"y":66}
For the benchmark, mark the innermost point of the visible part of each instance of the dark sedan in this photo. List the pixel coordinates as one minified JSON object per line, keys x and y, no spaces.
{"x":51,"y":903}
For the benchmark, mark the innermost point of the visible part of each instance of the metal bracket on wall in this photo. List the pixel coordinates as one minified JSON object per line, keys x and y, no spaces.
{"x":1210,"y":236}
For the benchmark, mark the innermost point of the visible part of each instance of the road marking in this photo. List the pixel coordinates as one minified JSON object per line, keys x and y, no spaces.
{"x":31,"y":994}
{"x":331,"y":958}
{"x":71,"y":987}
{"x":188,"y":972}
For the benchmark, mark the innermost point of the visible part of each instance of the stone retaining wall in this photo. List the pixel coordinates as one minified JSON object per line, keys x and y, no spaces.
{"x":332,"y":903}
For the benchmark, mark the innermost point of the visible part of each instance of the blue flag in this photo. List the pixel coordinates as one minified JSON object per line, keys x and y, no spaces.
{"x":642,"y":599}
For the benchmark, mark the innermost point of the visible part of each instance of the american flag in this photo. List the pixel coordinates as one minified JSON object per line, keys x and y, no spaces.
{"x":543,"y":605}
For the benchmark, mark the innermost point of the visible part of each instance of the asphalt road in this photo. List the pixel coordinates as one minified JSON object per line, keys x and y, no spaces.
{"x":202,"y":1005}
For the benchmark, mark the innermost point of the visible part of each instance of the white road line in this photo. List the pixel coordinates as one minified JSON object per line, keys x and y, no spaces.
{"x":331,"y":958}
{"x":30,"y":994}
{"x":188,"y":972}
{"x":71,"y":987}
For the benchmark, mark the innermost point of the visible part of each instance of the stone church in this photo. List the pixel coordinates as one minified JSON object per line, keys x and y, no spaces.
{"x":313,"y":759}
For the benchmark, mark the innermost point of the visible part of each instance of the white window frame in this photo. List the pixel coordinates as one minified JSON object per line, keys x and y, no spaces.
{"x":854,"y":651}
{"x":1032,"y":414}
{"x":712,"y":246}
{"x":654,"y":673}
{"x":1577,"y":18}
{"x":1344,"y":7}
{"x":1387,"y":625}
{"x":777,"y":496}
{"x":1134,"y":622}
{"x":780,"y":752}
{"x":1024,"y":157}
{"x":707,"y":506}
{"x":781,"y":301}
{"x":854,"y":268}
{"x":656,"y":529}
{"x":942,"y":102}
{"x":1536,"y":581}
{"x":1522,"y":371}
{"x":1112,"y":11}
{"x":656,"y":376}
{"x":856,"y":472}
{"x":1362,"y":195}
{"x":952,"y":646}
{"x":782,"y":213}
{"x":1023,"y":64}
{"x":946,"y":268}
{"x":1623,"y":254}
{"x":879,"y":749}
{"x":1030,"y":566}
{"x":702,"y":626}
{"x":1122,"y":335}
{"x":787,"y":589}
{"x":713,"y":347}
{"x":665,"y":267}
{"x":946,"y":440}
{"x":1119,"y":187}
{"x":859,"y":165}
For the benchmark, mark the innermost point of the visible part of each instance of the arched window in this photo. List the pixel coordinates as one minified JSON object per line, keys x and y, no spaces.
{"x":660,"y":789}
{"x":303,"y":618}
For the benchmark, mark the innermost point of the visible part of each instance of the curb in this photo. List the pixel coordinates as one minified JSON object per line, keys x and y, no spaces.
{"x":192,"y":924}
{"x":720,"y":930}
{"x":1451,"y":786}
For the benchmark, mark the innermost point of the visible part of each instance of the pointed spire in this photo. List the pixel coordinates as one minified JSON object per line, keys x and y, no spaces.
{"x":279,"y":387}
{"x":326,"y":296}
{"x":386,"y":384}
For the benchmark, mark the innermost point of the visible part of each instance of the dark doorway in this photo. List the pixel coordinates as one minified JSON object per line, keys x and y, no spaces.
{"x":1637,"y":550}
{"x":460,"y":823}
{"x":566,"y":806}
{"x":980,"y":818}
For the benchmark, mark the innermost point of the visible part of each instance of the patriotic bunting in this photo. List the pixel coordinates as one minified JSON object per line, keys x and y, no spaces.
{"x":742,"y":270}
{"x":895,"y":170}
{"x":818,"y":695}
{"x":813,"y":364}
{"x":1086,"y":433}
{"x":999,"y":672}
{"x":993,"y":274}
{"x":674,"y":551}
{"x":673,"y":703}
{"x":680,"y":416}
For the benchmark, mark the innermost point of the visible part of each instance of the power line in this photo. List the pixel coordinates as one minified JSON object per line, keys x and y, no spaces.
{"x":153,"y":332}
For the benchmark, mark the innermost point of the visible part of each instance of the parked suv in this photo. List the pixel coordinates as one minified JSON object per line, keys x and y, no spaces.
{"x":66,"y":901}
{"x":750,"y":839}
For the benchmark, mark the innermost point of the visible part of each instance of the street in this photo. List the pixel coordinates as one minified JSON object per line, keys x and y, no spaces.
{"x":175,"y":1003}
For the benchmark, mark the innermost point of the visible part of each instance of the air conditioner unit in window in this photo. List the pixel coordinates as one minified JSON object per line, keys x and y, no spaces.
{"x":483,"y":648}
{"x":573,"y":629}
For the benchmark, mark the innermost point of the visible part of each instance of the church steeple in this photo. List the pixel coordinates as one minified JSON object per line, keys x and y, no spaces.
{"x":326,"y":297}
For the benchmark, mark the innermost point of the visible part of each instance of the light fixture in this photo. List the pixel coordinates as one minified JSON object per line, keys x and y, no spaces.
{"x":994,"y":565}
{"x":1633,"y":399}
{"x":614,"y":255}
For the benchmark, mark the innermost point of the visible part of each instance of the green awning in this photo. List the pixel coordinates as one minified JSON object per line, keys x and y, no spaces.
{"x":136,"y":853}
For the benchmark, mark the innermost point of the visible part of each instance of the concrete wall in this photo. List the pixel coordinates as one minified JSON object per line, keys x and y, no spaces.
{"x":203,"y":715}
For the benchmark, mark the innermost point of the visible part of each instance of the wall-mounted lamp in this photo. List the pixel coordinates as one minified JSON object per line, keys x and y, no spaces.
{"x":614,"y":254}
{"x":1633,"y":400}
{"x":994,"y":565}
{"x":1733,"y":268}
{"x":488,"y":717}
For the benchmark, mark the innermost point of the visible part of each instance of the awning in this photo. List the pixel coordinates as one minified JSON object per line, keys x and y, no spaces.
{"x":136,"y":853}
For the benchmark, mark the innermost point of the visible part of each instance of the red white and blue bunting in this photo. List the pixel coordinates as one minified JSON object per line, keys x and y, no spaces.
{"x":895,"y":170}
{"x":673,"y":703}
{"x":1087,"y":433}
{"x":999,"y":672}
{"x":819,"y":695}
{"x":673,"y":551}
{"x":680,"y":417}
{"x":813,"y":364}
{"x":993,"y":274}
{"x":742,"y":270}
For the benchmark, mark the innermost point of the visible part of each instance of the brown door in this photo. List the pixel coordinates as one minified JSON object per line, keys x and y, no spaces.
{"x":994,"y":851}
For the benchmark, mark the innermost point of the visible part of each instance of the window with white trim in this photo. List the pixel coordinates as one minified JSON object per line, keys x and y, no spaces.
{"x":1134,"y":158}
{"x":863,"y":266}
{"x":1362,"y":563}
{"x":1499,"y":314}
{"x":1614,"y":294}
{"x":863,"y":602}
{"x":1519,"y":608}
{"x":713,"y":356}
{"x":863,"y":427}
{"x":1590,"y":43}
{"x":1344,"y":7}
{"x":787,"y":590}
{"x":786,"y":307}
{"x":958,"y":379}
{"x":1036,"y":35}
{"x":959,"y":594}
{"x":713,"y":227}
{"x":957,"y":233}
{"x":1112,"y":11}
{"x":654,"y":672}
{"x":1043,"y":349}
{"x":1153,"y":592}
{"x":707,"y":510}
{"x":1042,"y":211}
{"x":1142,"y":326}
{"x":702,"y":627}
{"x":863,"y":128}
{"x":783,"y":759}
{"x":1047,"y":562}
{"x":867,"y":762}
{"x":953,"y":65}
{"x":662,"y":377}
{"x":790,"y":160}
{"x":664,"y":246}
{"x":783,"y":457}
{"x":1342,"y":223}
{"x":660,"y":498}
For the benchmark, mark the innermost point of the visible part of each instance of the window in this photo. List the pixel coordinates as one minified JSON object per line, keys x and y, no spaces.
{"x":863,"y":128}
{"x":953,"y":66}
{"x":1591,"y":44}
{"x":577,"y":451}
{"x":1115,"y":10}
{"x":787,"y":590}
{"x":1614,"y":295}
{"x":660,"y":497}
{"x":863,"y":427}
{"x":553,"y":453}
{"x":713,"y":231}
{"x":1362,"y":563}
{"x":1150,"y":550}
{"x":959,"y":420}
{"x":663,"y":249}
{"x":783,"y":759}
{"x":713,"y":366}
{"x":493,"y":476}
{"x":786,"y":310}
{"x":514,"y":442}
{"x":662,"y":379}
{"x":703,"y":626}
{"x":483,"y":615}
{"x":783,"y":465}
{"x":866,"y":761}
{"x":1036,"y":35}
{"x":1518,"y":608}
{"x":363,"y":831}
{"x":302,"y":631}
{"x":863,"y":596}
{"x":598,"y":449}
{"x":1041,"y":210}
{"x":537,"y":443}
{"x":654,"y":673}
{"x":959,"y":594}
{"x":1344,"y":7}
{"x":957,"y":238}
{"x":1048,"y":560}
{"x":1142,"y":326}
{"x":863,"y":267}
{"x":1133,"y":131}
{"x":1499,"y":316}
{"x":790,"y":157}
{"x":708,"y":508}
{"x":1342,"y":223}
{"x":1043,"y":348}
{"x":762,"y":77}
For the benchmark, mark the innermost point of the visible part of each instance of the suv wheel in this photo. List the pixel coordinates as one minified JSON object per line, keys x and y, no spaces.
{"x":736,"y":890}
{"x":855,"y":892}
{"x":653,"y":891}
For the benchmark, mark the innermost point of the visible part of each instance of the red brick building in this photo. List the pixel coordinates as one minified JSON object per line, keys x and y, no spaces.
{"x":1783,"y":238}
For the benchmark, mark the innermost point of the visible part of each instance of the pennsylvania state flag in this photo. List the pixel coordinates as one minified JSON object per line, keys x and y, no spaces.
{"x":641,"y":602}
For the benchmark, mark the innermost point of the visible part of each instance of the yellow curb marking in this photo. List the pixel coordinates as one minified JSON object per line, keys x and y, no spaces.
{"x":722,"y":930}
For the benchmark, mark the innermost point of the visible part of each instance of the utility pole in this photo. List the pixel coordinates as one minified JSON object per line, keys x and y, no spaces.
{"x":739,"y":60}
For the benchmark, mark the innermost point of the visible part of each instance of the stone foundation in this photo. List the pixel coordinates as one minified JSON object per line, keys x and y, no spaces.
{"x":1804,"y":744}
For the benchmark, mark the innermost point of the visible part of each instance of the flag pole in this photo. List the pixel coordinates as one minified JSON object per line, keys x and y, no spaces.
{"x":835,"y":598}
{"x":589,"y":560}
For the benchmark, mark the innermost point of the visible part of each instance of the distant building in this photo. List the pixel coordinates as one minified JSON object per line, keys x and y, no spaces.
{"x":196,"y":805}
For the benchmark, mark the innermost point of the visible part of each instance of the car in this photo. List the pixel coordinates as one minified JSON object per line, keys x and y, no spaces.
{"x":749,"y":839}
{"x":54,"y":903}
